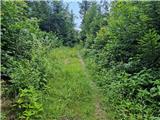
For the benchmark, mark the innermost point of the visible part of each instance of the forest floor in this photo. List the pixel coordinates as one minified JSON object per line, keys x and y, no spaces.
{"x":72,"y":93}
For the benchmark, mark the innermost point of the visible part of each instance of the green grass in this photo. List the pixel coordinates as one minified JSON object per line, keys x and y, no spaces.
{"x":70,"y":93}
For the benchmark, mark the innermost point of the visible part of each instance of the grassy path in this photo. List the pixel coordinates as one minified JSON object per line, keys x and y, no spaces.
{"x":72,"y":94}
{"x":99,"y":112}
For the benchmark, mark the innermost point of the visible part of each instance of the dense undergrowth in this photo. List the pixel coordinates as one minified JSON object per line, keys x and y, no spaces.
{"x":25,"y":68}
{"x":124,"y":57}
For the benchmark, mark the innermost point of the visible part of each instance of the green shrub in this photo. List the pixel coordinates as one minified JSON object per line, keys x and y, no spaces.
{"x":24,"y":59}
{"x":28,"y":104}
{"x":149,"y":49}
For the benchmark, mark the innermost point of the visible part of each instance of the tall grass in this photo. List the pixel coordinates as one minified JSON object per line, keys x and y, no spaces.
{"x":70,"y":93}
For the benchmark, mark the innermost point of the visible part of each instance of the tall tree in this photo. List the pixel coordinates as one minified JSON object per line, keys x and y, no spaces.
{"x":54,"y":17}
{"x":84,"y":6}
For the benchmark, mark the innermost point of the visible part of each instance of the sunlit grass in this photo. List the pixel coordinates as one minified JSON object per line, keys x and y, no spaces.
{"x":70,"y":92}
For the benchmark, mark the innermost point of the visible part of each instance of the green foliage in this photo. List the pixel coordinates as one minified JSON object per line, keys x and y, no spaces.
{"x":54,"y":17}
{"x":3,"y":116}
{"x":24,"y":59}
{"x":40,"y":10}
{"x":28,"y":105}
{"x":150,"y":47}
{"x":91,"y":23}
{"x":11,"y":13}
{"x":125,"y":54}
{"x":32,"y":73}
{"x":84,"y":6}
{"x":126,"y":25}
{"x":29,"y":82}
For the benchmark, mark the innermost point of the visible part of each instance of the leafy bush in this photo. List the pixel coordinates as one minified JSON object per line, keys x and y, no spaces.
{"x":24,"y":59}
{"x":27,"y":105}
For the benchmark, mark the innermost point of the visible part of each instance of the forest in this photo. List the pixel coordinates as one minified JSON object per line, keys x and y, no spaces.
{"x":109,"y":69}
